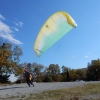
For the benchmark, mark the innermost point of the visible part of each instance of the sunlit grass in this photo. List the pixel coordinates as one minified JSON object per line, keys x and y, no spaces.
{"x":68,"y":94}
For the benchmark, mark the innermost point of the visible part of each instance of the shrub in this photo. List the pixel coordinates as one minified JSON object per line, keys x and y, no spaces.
{"x":48,"y":79}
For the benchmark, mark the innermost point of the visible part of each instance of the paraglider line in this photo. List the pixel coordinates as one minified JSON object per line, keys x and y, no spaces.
{"x":39,"y":50}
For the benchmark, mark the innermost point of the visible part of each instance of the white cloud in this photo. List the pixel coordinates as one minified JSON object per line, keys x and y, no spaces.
{"x":5,"y":32}
{"x":18,"y":23}
{"x":16,"y":29}
{"x":1,"y":17}
{"x":86,"y":56}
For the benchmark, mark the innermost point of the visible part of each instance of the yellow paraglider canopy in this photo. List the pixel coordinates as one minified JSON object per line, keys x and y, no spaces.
{"x":53,"y":29}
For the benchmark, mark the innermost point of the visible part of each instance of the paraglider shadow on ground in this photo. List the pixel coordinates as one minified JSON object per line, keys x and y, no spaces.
{"x":11,"y":88}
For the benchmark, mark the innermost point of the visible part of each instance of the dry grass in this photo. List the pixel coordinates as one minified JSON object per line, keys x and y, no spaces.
{"x":86,"y":92}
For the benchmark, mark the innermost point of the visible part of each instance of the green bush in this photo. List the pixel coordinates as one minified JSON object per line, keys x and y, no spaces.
{"x":37,"y":80}
{"x":48,"y":79}
{"x":4,"y":78}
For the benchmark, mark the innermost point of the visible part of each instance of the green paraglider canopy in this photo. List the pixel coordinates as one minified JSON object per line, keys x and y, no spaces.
{"x":53,"y":29}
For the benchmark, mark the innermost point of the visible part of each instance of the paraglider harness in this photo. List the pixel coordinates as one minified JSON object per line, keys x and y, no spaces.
{"x":31,"y":78}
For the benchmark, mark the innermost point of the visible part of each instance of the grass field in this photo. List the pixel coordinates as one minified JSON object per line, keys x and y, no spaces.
{"x":86,"y":92}
{"x":89,"y":91}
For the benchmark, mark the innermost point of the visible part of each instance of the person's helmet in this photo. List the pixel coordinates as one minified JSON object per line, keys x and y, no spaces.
{"x":25,"y":70}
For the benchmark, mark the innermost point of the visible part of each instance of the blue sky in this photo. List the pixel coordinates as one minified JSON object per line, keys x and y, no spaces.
{"x":21,"y":20}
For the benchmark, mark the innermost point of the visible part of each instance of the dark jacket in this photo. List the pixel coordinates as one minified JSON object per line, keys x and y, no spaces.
{"x":27,"y":75}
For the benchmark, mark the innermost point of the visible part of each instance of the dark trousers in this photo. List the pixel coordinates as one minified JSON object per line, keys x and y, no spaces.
{"x":29,"y":82}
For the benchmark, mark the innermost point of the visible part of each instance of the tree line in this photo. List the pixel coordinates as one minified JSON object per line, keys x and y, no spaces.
{"x":10,"y":63}
{"x":9,"y":60}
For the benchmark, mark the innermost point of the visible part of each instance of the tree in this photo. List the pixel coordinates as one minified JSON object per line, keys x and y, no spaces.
{"x":64,"y":69}
{"x":81,"y":73}
{"x":53,"y":69}
{"x":73,"y":75}
{"x":91,"y":68}
{"x":5,"y":54}
{"x":17,"y":52}
{"x":65,"y":72}
{"x":37,"y":71}
{"x":37,"y":68}
{"x":9,"y":59}
{"x":4,"y":78}
{"x":48,"y":79}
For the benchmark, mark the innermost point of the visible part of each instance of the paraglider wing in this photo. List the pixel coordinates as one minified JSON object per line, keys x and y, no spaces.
{"x":53,"y":29}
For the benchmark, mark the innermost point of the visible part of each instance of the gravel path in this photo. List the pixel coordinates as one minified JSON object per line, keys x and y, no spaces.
{"x":22,"y":89}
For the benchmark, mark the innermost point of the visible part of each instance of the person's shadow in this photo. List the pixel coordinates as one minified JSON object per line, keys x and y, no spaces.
{"x":11,"y":88}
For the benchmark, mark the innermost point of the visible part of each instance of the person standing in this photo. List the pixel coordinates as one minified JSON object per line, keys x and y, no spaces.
{"x":28,"y":78}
